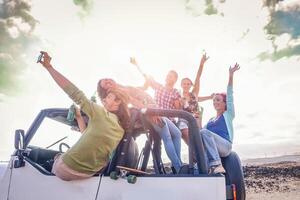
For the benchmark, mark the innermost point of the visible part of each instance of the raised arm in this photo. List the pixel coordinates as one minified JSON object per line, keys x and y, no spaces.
{"x":145,"y":86}
{"x":135,"y":63}
{"x":229,"y":96}
{"x":74,"y":93}
{"x":153,"y":83}
{"x":137,"y":97}
{"x":149,"y":81}
{"x":196,"y":87}
{"x":231,"y":73}
{"x":61,"y":81}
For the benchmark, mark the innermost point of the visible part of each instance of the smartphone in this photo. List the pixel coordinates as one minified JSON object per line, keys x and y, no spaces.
{"x":40,"y":58}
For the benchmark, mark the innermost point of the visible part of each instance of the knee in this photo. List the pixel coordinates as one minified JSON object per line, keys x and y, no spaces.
{"x":226,"y":151}
{"x":205,"y":132}
{"x":165,"y":136}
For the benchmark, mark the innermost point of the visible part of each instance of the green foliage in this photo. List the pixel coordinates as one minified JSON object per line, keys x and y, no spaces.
{"x":14,"y":40}
{"x":85,"y":6}
{"x":210,"y":8}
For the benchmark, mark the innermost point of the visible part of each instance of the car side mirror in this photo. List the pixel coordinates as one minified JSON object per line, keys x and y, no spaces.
{"x":19,"y":139}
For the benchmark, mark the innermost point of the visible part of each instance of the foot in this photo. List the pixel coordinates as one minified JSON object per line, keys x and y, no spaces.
{"x":216,"y":169}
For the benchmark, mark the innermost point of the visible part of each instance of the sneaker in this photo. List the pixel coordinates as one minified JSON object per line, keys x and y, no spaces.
{"x":216,"y":169}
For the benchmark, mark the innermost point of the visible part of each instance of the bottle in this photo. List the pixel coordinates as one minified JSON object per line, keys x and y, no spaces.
{"x":93,"y":99}
{"x":71,"y":113}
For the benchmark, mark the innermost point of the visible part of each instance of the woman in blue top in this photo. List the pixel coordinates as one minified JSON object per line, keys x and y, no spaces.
{"x":218,"y":133}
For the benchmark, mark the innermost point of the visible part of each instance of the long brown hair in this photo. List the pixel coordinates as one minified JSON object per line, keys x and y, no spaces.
{"x":122,"y":113}
{"x":102,"y":92}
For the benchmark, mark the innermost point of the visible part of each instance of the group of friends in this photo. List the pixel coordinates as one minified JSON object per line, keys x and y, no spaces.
{"x":109,"y":122}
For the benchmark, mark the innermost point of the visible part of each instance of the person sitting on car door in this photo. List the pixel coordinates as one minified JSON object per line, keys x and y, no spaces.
{"x":103,"y":133}
{"x":217,"y":134}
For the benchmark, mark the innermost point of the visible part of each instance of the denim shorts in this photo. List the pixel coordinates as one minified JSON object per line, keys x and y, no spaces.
{"x":182,"y":124}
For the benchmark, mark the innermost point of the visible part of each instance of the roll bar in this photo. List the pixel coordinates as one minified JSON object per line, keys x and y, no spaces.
{"x":196,"y":146}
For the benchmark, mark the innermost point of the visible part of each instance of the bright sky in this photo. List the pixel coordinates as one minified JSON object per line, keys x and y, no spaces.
{"x":164,"y":35}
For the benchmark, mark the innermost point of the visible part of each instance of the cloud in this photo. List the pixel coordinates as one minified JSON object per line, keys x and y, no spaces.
{"x":16,"y":36}
{"x":282,"y":53}
{"x":284,"y":19}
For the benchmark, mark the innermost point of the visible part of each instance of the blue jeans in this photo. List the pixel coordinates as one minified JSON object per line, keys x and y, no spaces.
{"x":215,"y":147}
{"x":171,"y":137}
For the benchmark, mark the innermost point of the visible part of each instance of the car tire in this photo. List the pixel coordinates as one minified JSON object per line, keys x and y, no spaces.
{"x":234,"y":174}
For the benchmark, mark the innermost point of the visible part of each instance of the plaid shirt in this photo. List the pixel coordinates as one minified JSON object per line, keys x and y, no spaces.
{"x":165,"y":98}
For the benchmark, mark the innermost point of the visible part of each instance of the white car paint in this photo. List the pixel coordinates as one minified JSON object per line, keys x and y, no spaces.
{"x":173,"y":188}
{"x":29,"y":183}
{"x":3,"y":166}
{"x":5,"y":180}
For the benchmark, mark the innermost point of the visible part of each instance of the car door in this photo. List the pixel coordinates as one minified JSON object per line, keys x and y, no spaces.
{"x":177,"y":187}
{"x":5,"y":175}
{"x":31,"y":179}
{"x":29,"y":183}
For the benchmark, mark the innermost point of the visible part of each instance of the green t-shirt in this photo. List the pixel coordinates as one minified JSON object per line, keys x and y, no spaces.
{"x":98,"y":141}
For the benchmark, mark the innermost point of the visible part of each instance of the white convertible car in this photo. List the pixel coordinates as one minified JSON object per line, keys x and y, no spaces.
{"x":28,"y":173}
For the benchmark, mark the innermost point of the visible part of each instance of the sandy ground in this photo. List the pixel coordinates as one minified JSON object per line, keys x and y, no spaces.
{"x":273,"y":181}
{"x":294,"y":195}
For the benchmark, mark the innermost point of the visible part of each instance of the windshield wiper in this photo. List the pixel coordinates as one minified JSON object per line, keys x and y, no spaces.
{"x":56,"y":142}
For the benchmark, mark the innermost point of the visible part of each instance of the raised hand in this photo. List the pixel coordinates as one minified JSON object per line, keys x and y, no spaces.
{"x":46,"y":60}
{"x":60,"y":79}
{"x":204,"y":59}
{"x":233,"y":69}
{"x":196,"y":87}
{"x":133,"y":61}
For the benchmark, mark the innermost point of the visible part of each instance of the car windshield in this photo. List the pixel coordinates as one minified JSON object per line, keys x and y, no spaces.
{"x":52,"y":131}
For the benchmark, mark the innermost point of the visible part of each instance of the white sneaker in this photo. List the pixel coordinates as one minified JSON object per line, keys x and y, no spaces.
{"x":216,"y":169}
